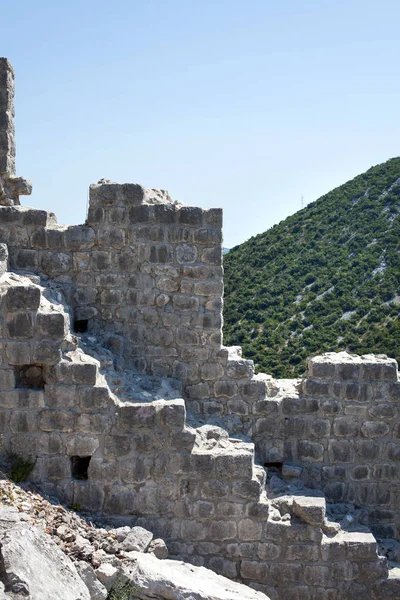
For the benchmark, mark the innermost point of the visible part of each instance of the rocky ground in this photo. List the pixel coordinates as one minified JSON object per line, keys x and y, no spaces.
{"x":48,"y":551}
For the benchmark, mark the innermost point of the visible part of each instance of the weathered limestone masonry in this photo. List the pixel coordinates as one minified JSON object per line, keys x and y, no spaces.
{"x":142,"y":283}
{"x":196,"y":487}
{"x":11,"y":187}
{"x":341,"y":425}
{"x":146,"y":275}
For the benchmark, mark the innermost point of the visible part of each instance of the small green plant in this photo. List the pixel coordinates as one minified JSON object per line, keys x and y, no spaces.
{"x":74,"y":507}
{"x":122,"y":590}
{"x":20,"y":467}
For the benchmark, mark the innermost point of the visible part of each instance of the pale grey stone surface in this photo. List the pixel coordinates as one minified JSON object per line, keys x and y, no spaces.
{"x":96,"y":589}
{"x":33,"y":565}
{"x":172,"y":580}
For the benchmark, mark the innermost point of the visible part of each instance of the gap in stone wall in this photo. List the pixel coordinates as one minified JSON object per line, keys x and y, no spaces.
{"x":79,"y":467}
{"x":29,"y":377}
{"x":81,"y":325}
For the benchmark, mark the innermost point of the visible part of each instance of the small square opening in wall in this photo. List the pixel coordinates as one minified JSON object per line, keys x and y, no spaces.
{"x":274,"y":467}
{"x":29,"y":377}
{"x":79,"y":466}
{"x":81,"y":325}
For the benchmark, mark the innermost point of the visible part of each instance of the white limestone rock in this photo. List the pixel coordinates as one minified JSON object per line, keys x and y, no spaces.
{"x":173,"y":580}
{"x":32,"y":565}
{"x":138,"y":539}
{"x":96,"y":589}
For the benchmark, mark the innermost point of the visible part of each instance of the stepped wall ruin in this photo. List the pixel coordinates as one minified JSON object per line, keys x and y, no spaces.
{"x":90,"y":313}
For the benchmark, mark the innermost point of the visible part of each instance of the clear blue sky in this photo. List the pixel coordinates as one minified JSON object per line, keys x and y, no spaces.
{"x":245,"y":105}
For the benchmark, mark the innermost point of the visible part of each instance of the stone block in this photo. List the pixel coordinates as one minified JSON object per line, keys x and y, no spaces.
{"x":333,"y":548}
{"x":137,"y":416}
{"x":214,"y":489}
{"x":374,"y":429}
{"x":192,"y":530}
{"x":294,"y":426}
{"x":240,"y":369}
{"x":140,"y":214}
{"x":19,"y":353}
{"x":238,"y":465}
{"x":223,"y":566}
{"x":336,"y":492}
{"x":373,"y":570}
{"x":212,"y":256}
{"x":82,"y":445}
{"x":89,"y":495}
{"x":286,"y":573}
{"x":7,"y":379}
{"x":23,"y":297}
{"x":56,"y":263}
{"x":165,"y":214}
{"x":23,"y":421}
{"x":186,"y":253}
{"x":85,"y":373}
{"x":310,"y":509}
{"x":200,"y":391}
{"x":249,"y":530}
{"x":92,"y":423}
{"x":254,"y":570}
{"x":302,"y":553}
{"x":211,"y":371}
{"x":294,"y":406}
{"x":93,"y":398}
{"x":117,"y":445}
{"x":310,"y":451}
{"x":203,"y":509}
{"x":340,"y":451}
{"x":61,"y":396}
{"x":30,"y":398}
{"x":173,"y":414}
{"x":247,"y":489}
{"x":24,"y":260}
{"x":346,"y":427}
{"x":316,"y":387}
{"x":56,"y":468}
{"x":51,"y":325}
{"x":57,"y":420}
{"x":135,"y":470}
{"x":321,"y":369}
{"x":20,"y":325}
{"x":46,"y":352}
{"x":185,"y":303}
{"x":344,"y":570}
{"x":360,"y":472}
{"x":392,"y":452}
{"x":225,"y":389}
{"x":319,"y":428}
{"x":318,"y":575}
{"x":238,"y":407}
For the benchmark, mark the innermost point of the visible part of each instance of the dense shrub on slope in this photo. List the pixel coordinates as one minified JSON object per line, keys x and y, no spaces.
{"x":325,"y":279}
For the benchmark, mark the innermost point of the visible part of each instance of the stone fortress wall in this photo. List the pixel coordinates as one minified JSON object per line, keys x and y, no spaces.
{"x":110,"y":431}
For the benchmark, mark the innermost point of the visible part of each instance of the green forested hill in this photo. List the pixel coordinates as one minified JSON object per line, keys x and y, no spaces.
{"x":325,"y":279}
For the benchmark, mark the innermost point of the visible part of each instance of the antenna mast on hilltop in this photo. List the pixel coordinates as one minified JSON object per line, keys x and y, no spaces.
{"x":302,"y":201}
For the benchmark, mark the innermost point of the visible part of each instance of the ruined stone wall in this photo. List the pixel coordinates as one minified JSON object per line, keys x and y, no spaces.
{"x":201,"y":491}
{"x":340,"y":425}
{"x":146,"y":275}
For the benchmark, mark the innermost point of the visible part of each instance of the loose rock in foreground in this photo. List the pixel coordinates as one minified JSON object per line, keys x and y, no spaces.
{"x":173,"y":580}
